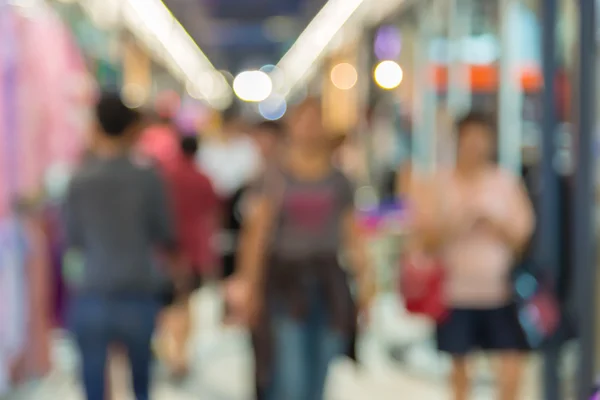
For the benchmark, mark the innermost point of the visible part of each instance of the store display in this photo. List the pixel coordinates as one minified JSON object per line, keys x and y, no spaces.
{"x":44,"y":117}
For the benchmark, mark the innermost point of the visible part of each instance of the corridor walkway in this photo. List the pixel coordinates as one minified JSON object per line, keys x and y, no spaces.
{"x":222,"y":369}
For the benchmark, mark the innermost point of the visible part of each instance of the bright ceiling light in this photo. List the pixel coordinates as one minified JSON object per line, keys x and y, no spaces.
{"x":252,"y":86}
{"x":313,"y":42}
{"x":344,"y":76}
{"x":388,"y":75}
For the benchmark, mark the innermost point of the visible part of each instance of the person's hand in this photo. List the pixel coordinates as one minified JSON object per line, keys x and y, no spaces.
{"x":490,"y":225}
{"x":244,"y":300}
{"x":367,"y":290}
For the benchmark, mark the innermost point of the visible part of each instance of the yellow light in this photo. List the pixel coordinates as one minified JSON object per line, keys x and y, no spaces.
{"x":388,"y":75}
{"x":344,"y":76}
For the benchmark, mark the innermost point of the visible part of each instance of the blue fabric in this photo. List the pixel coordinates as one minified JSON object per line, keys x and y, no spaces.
{"x":98,"y":323}
{"x":303,"y":351}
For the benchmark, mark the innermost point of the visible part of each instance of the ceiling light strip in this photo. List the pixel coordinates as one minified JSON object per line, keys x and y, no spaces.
{"x":315,"y":39}
{"x":183,"y":51}
{"x":153,"y":24}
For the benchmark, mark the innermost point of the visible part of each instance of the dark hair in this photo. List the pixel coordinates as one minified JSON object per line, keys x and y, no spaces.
{"x":189,"y":146}
{"x":482,"y":120}
{"x":114,"y":117}
{"x":477,"y":118}
{"x":272,"y":127}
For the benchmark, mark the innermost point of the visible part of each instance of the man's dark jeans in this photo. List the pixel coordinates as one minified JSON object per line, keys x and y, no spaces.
{"x":99,"y":322}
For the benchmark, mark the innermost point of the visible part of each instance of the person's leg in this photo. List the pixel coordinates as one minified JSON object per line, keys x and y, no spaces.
{"x":259,"y":384}
{"x":457,"y":336}
{"x":290,"y":377}
{"x":136,"y":321}
{"x":327,"y":345}
{"x":89,"y":319}
{"x":459,"y":378}
{"x":510,"y":372}
{"x":506,"y":340}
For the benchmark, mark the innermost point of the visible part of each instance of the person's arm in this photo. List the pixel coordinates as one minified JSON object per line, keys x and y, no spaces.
{"x":355,"y":246}
{"x":254,"y":238}
{"x":518,"y":228}
{"x":403,"y":180}
{"x":72,"y":224}
{"x":162,"y":229}
{"x":356,"y":249}
{"x":162,"y":226}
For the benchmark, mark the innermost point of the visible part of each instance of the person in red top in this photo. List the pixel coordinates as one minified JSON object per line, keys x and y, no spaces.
{"x":195,"y":205}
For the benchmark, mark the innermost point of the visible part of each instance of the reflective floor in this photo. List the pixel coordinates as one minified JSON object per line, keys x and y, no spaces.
{"x":222,"y":365}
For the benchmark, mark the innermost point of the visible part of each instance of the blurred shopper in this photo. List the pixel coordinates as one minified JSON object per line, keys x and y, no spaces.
{"x":269,"y":139}
{"x":117,"y":217}
{"x":298,"y":295}
{"x":232,"y":162}
{"x":479,"y":220}
{"x":196,"y":215}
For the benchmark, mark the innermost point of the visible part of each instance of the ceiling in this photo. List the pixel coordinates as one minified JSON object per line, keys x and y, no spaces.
{"x":242,"y":34}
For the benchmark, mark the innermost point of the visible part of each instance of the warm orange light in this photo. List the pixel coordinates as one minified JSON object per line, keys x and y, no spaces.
{"x":344,"y":76}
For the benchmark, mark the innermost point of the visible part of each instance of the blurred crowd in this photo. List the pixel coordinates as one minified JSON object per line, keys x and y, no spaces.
{"x":152,"y":213}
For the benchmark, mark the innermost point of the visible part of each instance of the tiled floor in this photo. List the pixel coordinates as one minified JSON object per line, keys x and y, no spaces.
{"x":222,"y":366}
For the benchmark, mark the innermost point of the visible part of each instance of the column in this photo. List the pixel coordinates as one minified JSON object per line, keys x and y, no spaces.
{"x":548,"y":207}
{"x":584,"y":258}
{"x":510,"y":122}
{"x":425,"y":95}
{"x":459,"y":80}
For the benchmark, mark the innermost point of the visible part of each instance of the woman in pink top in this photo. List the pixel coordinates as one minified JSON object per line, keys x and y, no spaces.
{"x":481,"y":220}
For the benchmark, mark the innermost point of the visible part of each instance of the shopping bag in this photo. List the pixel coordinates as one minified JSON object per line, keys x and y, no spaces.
{"x":421,"y":285}
{"x":538,"y":308}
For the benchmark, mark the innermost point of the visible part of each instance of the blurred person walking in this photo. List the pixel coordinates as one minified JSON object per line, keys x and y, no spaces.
{"x":232,"y":161}
{"x":196,"y":212}
{"x":298,"y":295}
{"x":117,"y":217}
{"x":479,"y":219}
{"x":268,"y":136}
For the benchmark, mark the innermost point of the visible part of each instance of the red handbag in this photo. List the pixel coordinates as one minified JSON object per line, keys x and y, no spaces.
{"x":421,"y":285}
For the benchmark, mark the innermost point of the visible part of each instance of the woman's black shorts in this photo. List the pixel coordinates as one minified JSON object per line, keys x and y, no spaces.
{"x":468,"y":330}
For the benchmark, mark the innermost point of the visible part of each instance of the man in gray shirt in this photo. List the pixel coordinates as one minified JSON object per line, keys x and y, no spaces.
{"x":117,"y":218}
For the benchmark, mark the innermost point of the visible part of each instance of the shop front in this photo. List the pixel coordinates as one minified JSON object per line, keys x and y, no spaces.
{"x":491,"y":56}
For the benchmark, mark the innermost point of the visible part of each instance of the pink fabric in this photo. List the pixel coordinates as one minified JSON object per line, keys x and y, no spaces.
{"x":479,"y":263}
{"x":52,"y":126}
{"x":160,"y":143}
{"x":34,"y":361}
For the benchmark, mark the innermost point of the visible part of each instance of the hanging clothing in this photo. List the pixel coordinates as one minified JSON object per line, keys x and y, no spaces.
{"x":13,"y":298}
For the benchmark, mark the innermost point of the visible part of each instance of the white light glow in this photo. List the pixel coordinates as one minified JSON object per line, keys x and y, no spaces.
{"x":252,"y":86}
{"x":388,"y":75}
